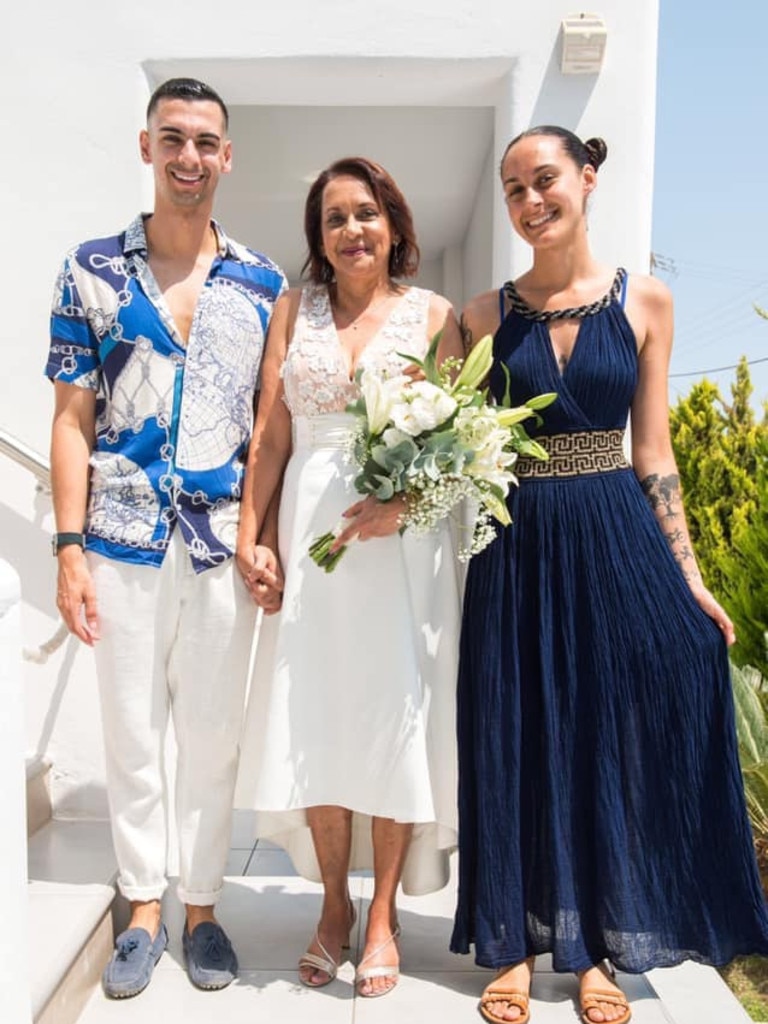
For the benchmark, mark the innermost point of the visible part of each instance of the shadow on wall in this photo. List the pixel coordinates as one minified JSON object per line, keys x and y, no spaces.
{"x":562,"y":98}
{"x":26,"y":545}
{"x":57,"y":696}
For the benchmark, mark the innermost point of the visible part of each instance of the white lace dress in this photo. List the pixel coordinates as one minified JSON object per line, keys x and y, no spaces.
{"x":352,"y":696}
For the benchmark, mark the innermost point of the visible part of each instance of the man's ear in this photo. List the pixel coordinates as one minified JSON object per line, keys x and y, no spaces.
{"x":227,"y":166}
{"x":144,"y":146}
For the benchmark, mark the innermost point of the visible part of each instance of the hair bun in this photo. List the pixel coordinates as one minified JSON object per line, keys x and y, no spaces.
{"x":598,"y":151}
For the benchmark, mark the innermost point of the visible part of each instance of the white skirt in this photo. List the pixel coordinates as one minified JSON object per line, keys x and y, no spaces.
{"x":352,"y":697}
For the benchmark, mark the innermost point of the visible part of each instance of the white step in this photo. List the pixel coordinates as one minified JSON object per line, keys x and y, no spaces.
{"x":71,"y":890}
{"x":39,"y":809}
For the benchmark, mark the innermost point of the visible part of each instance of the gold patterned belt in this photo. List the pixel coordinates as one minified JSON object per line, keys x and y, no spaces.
{"x":585,"y":451}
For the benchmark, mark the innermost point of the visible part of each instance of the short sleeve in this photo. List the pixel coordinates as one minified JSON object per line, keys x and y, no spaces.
{"x":73,"y":355}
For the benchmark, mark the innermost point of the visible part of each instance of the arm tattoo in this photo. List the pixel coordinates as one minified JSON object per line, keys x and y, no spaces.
{"x":664,"y":497}
{"x":662,"y":492}
{"x":466,"y":335}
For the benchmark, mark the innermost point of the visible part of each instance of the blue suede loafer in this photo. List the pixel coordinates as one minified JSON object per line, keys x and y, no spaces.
{"x":130,"y":969}
{"x":209,"y":957}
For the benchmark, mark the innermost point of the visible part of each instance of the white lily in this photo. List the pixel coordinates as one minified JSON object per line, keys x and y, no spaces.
{"x":379,"y":395}
{"x":477,"y":365}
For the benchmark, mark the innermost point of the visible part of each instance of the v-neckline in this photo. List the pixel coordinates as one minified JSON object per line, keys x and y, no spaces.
{"x":580,"y":314}
{"x":161,"y":303}
{"x":350,"y":369}
{"x":551,"y":346}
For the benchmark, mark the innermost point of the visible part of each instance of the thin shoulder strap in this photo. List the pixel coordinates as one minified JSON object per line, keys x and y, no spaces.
{"x":623,"y":292}
{"x":501,"y":305}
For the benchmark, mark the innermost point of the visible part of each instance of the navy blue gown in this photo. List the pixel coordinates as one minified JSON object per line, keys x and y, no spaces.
{"x":601,"y":809}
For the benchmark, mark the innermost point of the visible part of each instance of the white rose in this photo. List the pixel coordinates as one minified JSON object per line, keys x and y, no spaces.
{"x":423,"y":406}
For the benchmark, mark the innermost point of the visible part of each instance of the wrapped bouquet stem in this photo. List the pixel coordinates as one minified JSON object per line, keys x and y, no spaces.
{"x":438,"y":440}
{"x":320,"y":549}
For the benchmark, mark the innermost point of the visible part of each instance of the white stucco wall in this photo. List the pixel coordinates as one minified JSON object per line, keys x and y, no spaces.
{"x":14,"y":961}
{"x":76,"y":88}
{"x":478,"y":255}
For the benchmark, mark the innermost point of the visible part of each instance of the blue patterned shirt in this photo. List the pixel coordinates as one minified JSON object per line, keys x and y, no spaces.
{"x":173,"y":420}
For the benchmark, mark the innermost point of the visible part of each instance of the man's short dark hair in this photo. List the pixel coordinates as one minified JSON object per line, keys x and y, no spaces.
{"x":186,"y":89}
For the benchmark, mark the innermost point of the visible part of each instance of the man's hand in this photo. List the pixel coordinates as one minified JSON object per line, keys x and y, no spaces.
{"x":76,"y":595}
{"x":264,"y":579}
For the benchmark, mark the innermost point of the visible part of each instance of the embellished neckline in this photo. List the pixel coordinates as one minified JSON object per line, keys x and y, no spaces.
{"x":369,"y":310}
{"x":350,"y":367}
{"x":524,"y":309}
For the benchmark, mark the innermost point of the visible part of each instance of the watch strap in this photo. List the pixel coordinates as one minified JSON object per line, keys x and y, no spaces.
{"x":62,"y":540}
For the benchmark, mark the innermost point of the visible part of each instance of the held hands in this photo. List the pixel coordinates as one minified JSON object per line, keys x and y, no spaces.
{"x":708,"y":604}
{"x":76,"y":595}
{"x":370,"y":518}
{"x":263,"y":576}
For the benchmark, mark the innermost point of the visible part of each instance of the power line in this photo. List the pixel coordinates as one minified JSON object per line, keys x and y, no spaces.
{"x":740,"y":303}
{"x":674,"y":267}
{"x":718,"y":369}
{"x":707,"y":326}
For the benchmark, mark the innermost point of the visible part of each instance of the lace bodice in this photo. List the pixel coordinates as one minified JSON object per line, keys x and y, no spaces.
{"x":315,"y":372}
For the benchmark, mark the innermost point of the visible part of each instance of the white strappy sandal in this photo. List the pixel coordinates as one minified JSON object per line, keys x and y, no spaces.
{"x":324,"y":963}
{"x":363,"y":974}
{"x":314,"y":962}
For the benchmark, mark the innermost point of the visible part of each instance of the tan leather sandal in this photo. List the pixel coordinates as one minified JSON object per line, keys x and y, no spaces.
{"x":591,"y":999}
{"x":496,"y":993}
{"x":491,"y":996}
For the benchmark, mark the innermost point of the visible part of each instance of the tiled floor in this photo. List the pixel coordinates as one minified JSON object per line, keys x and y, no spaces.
{"x":270,"y":915}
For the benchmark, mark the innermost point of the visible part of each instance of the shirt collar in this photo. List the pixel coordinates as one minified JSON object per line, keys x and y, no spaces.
{"x":136,"y":239}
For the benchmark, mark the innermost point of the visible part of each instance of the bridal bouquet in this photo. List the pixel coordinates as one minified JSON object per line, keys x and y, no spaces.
{"x":437,"y":440}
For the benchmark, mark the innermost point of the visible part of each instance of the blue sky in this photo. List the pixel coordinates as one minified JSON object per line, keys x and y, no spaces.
{"x":710,"y":216}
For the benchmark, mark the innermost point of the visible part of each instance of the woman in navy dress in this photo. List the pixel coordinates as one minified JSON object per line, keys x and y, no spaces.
{"x":601,"y":810}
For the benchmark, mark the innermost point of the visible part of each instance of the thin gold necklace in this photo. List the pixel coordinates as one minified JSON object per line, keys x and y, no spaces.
{"x":368,"y":311}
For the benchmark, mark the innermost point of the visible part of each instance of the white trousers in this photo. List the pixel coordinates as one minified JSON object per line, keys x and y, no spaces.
{"x":171,"y":641}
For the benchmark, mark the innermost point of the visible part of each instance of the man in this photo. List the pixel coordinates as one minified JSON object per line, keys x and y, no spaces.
{"x":156,"y":340}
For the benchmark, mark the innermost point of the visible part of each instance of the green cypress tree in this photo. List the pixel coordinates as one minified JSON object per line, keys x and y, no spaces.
{"x":721,"y":451}
{"x":745,"y":573}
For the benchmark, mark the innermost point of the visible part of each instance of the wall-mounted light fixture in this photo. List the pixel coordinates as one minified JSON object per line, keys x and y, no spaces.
{"x":584,"y":38}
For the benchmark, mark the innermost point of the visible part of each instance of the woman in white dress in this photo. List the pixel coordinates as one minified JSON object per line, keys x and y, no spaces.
{"x":348,"y":751}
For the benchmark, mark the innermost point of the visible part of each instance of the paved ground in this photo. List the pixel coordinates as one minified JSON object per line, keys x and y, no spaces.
{"x":270,"y":915}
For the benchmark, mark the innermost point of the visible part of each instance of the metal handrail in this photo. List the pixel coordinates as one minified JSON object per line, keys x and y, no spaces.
{"x":40,"y":468}
{"x":25,"y":456}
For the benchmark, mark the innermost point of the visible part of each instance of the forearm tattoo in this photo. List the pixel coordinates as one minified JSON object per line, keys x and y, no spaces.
{"x":665,"y":498}
{"x":466,"y":335}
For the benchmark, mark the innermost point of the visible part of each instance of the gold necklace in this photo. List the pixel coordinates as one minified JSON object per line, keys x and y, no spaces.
{"x":368,"y":311}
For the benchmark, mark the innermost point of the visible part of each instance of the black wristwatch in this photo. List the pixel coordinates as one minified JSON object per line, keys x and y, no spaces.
{"x":61,"y":540}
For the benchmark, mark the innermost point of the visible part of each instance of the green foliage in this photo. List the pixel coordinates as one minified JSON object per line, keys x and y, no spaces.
{"x":750,"y":696}
{"x":744,"y":570}
{"x":721,"y":451}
